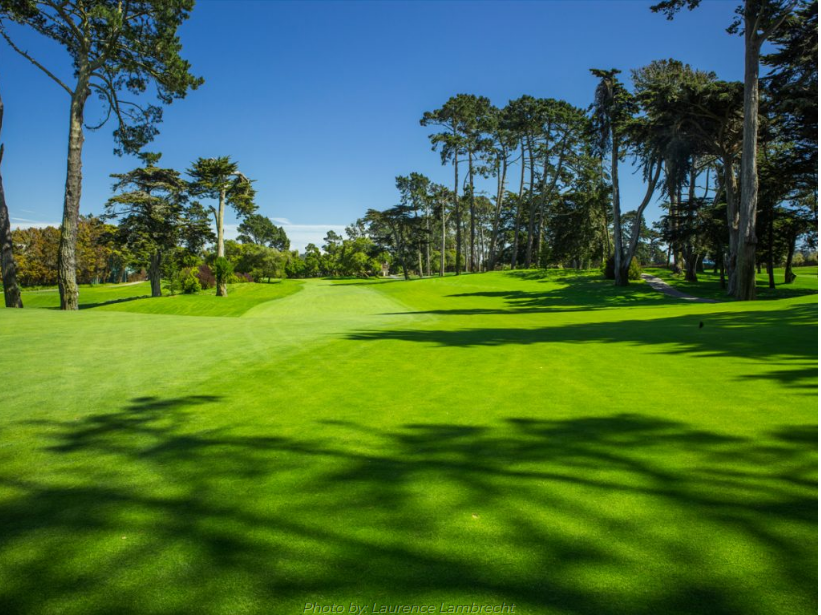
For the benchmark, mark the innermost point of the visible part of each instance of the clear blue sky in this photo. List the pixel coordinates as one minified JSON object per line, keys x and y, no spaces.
{"x":320,"y":101}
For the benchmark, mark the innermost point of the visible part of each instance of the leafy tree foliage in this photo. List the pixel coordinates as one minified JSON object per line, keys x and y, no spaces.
{"x":118,"y":50}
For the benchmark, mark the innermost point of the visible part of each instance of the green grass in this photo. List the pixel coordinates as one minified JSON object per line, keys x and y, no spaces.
{"x":136,"y":298}
{"x":709,"y":284}
{"x":90,"y":296}
{"x":537,"y":438}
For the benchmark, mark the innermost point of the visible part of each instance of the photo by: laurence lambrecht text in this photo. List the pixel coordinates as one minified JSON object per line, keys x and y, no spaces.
{"x":428,"y":608}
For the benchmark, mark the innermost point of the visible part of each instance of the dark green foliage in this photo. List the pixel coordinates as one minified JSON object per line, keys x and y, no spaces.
{"x":259,"y":229}
{"x":189,"y":282}
{"x":119,"y":51}
{"x":609,"y":268}
{"x":634,"y":270}
{"x":223,"y":268}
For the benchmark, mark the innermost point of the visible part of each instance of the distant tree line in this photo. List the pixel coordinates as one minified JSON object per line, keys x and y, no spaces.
{"x":733,"y":165}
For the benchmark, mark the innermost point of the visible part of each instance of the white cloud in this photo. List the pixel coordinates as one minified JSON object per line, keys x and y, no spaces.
{"x":299,"y":234}
{"x":22,"y":223}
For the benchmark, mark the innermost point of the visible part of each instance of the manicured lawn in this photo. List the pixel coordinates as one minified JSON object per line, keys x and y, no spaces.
{"x":709,"y":284}
{"x":137,"y":298}
{"x":541,"y":439}
{"x":90,"y":296}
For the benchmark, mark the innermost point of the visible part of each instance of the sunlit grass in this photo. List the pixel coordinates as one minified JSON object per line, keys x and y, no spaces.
{"x":538,"y":438}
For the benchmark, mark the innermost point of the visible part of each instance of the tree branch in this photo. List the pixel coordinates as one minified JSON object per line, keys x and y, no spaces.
{"x":35,"y":62}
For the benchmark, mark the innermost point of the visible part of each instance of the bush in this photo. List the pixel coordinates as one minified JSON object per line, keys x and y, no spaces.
{"x":206,"y":276}
{"x":223,"y":270}
{"x":189,"y":283}
{"x":633,"y":271}
{"x":609,"y":269}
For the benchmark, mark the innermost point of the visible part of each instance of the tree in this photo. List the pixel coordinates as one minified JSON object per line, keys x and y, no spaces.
{"x":117,"y":49}
{"x":11,"y":291}
{"x":219,"y":179}
{"x":150,"y":207}
{"x":757,"y":21}
{"x":259,"y":229}
{"x":452,"y":143}
{"x":612,"y":110}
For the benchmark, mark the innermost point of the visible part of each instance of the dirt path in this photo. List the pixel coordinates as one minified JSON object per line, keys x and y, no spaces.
{"x":663,"y":287}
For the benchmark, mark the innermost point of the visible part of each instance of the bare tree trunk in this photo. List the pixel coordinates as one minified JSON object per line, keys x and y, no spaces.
{"x":222,"y":285}
{"x":789,"y":276}
{"x":500,"y":196}
{"x":472,"y":259}
{"x":530,"y":208}
{"x":155,"y":274}
{"x":621,"y":279}
{"x":514,"y":259}
{"x":457,"y":211}
{"x":429,"y":238}
{"x":747,"y":240}
{"x":444,"y":243}
{"x":770,"y":242}
{"x":732,"y":221}
{"x":636,"y":231}
{"x":67,"y":255}
{"x":11,"y":291}
{"x":690,"y":256}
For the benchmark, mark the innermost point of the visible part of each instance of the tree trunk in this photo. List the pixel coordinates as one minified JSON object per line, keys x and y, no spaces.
{"x":67,"y":255}
{"x":429,"y":238}
{"x":723,"y":280}
{"x":732,"y":220}
{"x":789,"y":276}
{"x":457,"y":211}
{"x":530,"y":208}
{"x":444,"y":242}
{"x":621,"y":279}
{"x":770,"y":242}
{"x":636,"y":231}
{"x":472,"y":259}
{"x":9,"y":268}
{"x":514,"y":259}
{"x":747,"y":240}
{"x":500,"y":196}
{"x":222,"y":285}
{"x":690,"y":256}
{"x":155,"y":274}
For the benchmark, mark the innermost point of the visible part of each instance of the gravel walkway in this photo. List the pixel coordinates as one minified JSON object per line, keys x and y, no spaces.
{"x":663,"y":287}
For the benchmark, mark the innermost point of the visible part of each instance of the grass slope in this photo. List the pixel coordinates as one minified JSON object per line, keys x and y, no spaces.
{"x":542,"y":439}
{"x":137,"y":298}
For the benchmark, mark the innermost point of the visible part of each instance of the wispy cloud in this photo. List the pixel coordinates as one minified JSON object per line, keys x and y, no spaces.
{"x":22,"y":223}
{"x":299,"y":234}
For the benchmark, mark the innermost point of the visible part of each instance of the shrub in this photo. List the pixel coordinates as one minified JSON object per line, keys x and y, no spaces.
{"x":609,"y":269}
{"x":633,"y":271}
{"x":189,"y":282}
{"x":206,"y":276}
{"x":223,"y":270}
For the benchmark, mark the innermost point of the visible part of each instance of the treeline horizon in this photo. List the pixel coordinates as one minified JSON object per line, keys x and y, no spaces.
{"x":733,"y":163}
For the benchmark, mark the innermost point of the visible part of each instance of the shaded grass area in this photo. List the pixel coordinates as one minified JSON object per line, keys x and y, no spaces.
{"x":90,"y":296}
{"x":709,"y":284}
{"x":537,"y":439}
{"x":137,"y":298}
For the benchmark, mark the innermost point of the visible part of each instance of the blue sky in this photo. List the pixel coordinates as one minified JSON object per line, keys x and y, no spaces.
{"x":320,"y":101}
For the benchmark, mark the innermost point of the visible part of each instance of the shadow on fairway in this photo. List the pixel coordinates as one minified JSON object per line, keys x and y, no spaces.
{"x":732,"y":334}
{"x":144,"y":511}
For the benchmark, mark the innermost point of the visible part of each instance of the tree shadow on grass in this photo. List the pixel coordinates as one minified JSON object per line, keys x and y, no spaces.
{"x":791,"y":330}
{"x":142,"y":510}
